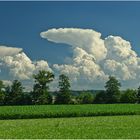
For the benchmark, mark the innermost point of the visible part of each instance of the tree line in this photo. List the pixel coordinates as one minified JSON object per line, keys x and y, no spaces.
{"x":40,"y":95}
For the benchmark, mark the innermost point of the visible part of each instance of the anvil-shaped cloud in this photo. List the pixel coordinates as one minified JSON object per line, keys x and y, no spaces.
{"x":94,"y":59}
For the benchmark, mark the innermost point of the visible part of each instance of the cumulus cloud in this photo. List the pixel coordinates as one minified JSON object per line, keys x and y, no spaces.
{"x":94,"y":58}
{"x":18,"y":65}
{"x":83,"y":71}
{"x":21,"y":67}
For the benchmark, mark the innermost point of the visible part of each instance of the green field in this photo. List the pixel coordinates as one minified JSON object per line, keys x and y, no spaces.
{"x":79,"y":127}
{"x":56,"y":111}
{"x":69,"y":121}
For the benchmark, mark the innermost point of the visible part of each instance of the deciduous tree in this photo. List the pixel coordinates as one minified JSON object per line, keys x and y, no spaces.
{"x":40,"y":94}
{"x":64,"y":95}
{"x":2,"y":93}
{"x":129,"y":96}
{"x":113,"y":90}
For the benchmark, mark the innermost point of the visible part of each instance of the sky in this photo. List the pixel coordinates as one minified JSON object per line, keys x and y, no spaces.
{"x":22,"y":22}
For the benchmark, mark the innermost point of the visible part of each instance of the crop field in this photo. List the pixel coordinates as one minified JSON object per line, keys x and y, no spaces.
{"x":108,"y":121}
{"x":79,"y":127}
{"x":56,"y":111}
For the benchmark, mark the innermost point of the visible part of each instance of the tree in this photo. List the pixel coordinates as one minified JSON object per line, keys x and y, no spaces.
{"x":40,"y":94}
{"x":112,"y":90}
{"x":129,"y":96}
{"x":25,"y":99}
{"x":100,"y":98}
{"x":85,"y":98}
{"x":64,"y":95}
{"x":2,"y":93}
{"x":14,"y":93}
{"x":8,"y":98}
{"x":138,"y":94}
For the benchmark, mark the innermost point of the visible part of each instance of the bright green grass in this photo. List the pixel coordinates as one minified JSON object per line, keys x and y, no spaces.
{"x":50,"y":111}
{"x":80,"y":127}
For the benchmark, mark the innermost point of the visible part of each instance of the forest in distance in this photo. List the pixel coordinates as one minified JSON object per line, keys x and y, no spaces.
{"x":40,"y":94}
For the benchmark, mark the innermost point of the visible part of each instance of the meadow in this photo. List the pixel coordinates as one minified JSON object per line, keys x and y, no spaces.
{"x":107,"y":127}
{"x":57,"y":111}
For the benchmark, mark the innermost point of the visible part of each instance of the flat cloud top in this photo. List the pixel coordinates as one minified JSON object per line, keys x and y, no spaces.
{"x":8,"y":51}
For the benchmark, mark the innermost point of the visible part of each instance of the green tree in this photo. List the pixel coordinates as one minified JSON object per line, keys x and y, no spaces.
{"x":129,"y":96}
{"x":25,"y":99}
{"x":112,"y":90}
{"x":64,"y":95}
{"x":138,"y":94}
{"x":40,"y":94}
{"x":2,"y":93}
{"x":100,"y":98}
{"x":85,"y":98}
{"x":14,"y":93}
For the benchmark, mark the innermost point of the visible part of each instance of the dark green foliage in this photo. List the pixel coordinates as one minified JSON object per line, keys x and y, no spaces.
{"x":43,"y":78}
{"x":85,"y":98}
{"x":57,"y":111}
{"x":14,"y":94}
{"x":138,"y":94}
{"x":64,"y":95}
{"x":64,"y":84}
{"x":129,"y":96}
{"x":40,"y":94}
{"x":100,"y":98}
{"x":8,"y":97}
{"x":2,"y":93}
{"x":112,"y":90}
{"x":25,"y":99}
{"x":44,"y":98}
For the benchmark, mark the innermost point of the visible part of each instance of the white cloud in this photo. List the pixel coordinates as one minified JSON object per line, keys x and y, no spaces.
{"x":7,"y":82}
{"x":119,"y":49}
{"x":39,"y":65}
{"x":83,"y":72}
{"x":21,"y":67}
{"x":18,"y":65}
{"x":86,"y":39}
{"x":94,"y":59}
{"x":9,"y":51}
{"x":118,"y":69}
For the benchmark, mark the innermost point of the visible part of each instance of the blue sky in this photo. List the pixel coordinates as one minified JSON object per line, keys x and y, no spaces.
{"x":22,"y":22}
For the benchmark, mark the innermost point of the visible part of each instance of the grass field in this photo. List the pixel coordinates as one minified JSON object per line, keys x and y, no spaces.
{"x":55,"y":125}
{"x":55,"y":111}
{"x":127,"y":127}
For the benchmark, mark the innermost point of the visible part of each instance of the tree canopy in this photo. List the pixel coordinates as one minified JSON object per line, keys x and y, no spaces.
{"x":112,"y":90}
{"x":129,"y":96}
{"x":40,"y":93}
{"x":63,"y":96}
{"x":2,"y":91}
